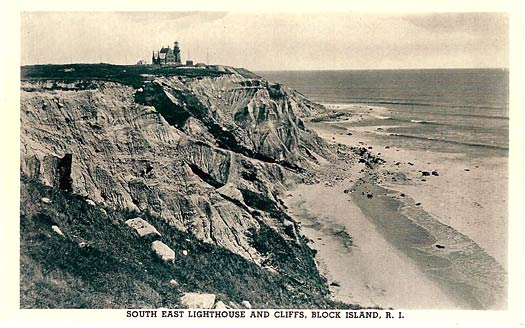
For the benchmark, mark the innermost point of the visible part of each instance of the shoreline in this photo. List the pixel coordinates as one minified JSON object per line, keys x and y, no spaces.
{"x":447,"y":246}
{"x":356,"y":271}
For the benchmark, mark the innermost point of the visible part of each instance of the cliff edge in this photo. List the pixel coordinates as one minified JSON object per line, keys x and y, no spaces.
{"x":139,"y":185}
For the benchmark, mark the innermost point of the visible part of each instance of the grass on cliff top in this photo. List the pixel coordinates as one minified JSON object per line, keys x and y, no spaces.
{"x":100,"y":263}
{"x":126,"y":74}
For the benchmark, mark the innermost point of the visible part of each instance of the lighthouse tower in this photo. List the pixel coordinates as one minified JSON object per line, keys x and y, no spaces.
{"x":176,"y":52}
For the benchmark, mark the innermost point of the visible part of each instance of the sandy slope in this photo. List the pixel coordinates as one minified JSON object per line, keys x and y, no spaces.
{"x":372,"y":272}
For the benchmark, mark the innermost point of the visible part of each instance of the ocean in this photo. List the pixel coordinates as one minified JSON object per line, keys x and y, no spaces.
{"x":449,"y":110}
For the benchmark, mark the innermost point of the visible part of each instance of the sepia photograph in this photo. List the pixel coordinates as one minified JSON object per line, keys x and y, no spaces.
{"x":217,"y":164}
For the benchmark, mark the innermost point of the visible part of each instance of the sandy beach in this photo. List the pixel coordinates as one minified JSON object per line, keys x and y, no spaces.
{"x":424,"y":230}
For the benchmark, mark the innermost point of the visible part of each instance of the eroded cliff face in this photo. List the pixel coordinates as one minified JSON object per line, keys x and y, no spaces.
{"x":205,"y":155}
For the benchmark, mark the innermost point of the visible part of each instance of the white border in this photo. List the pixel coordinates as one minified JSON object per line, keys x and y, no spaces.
{"x":9,"y":163}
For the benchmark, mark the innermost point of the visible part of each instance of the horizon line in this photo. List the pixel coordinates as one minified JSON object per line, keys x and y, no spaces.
{"x":379,"y":69}
{"x":294,"y":70}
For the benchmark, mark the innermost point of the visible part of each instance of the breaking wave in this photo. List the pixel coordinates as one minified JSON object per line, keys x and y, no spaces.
{"x":470,"y":144}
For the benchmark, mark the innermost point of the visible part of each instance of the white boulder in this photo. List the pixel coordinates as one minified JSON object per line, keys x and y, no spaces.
{"x":163,"y":251}
{"x":246,"y":305}
{"x":45,"y":200}
{"x":198,"y":300}
{"x":90,"y":202}
{"x":288,"y":224}
{"x":142,"y":227}
{"x":270,"y":269}
{"x":57,"y":230}
{"x":220,"y":305}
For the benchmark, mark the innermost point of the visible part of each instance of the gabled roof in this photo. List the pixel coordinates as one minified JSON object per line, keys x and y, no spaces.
{"x":164,"y":50}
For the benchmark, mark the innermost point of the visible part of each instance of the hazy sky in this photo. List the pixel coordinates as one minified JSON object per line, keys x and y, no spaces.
{"x":270,"y":41}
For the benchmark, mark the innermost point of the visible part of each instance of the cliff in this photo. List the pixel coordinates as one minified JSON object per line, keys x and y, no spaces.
{"x":202,"y":157}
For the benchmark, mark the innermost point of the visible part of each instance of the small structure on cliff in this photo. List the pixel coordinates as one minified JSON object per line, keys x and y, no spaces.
{"x":167,"y":56}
